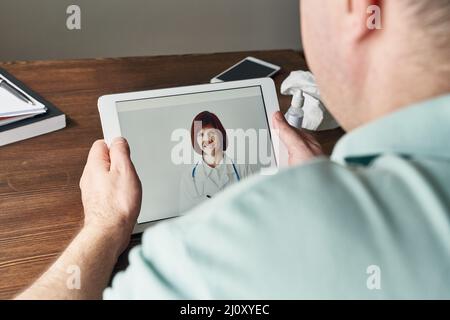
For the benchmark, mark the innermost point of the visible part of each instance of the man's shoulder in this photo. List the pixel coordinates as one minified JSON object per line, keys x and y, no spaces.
{"x":307,"y":232}
{"x":318,"y":188}
{"x":308,"y":182}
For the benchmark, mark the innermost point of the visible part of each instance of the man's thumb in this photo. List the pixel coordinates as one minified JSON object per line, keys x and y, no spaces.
{"x":119,"y":152}
{"x":287,"y":134}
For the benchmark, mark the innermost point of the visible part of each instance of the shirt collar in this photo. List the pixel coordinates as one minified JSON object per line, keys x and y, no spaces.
{"x":422,"y":129}
{"x":208,"y":169}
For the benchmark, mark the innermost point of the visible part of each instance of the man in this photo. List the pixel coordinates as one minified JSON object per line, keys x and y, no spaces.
{"x":372,"y":222}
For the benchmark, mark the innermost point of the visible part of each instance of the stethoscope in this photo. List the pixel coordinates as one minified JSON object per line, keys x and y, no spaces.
{"x":194,"y":171}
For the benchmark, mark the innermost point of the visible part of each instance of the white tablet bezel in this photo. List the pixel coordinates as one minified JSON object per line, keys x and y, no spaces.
{"x":107,"y":106}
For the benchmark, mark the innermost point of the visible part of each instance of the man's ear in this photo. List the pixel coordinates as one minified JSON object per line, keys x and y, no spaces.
{"x":363,"y":17}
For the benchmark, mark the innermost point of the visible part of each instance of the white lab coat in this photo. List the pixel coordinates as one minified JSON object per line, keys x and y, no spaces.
{"x":201,"y":182}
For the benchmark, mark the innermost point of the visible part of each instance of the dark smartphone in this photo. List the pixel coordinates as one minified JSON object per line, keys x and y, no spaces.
{"x":249,"y":68}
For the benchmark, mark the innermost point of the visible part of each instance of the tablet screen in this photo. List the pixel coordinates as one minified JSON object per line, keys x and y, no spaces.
{"x":189,"y":148}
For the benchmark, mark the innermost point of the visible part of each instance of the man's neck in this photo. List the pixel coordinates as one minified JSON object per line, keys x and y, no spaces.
{"x":398,"y":82}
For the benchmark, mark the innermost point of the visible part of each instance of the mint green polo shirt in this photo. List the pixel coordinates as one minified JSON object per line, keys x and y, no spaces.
{"x":372,"y":222}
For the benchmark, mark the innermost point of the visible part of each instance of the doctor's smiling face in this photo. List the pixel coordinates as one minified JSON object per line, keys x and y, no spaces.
{"x":208,"y":137}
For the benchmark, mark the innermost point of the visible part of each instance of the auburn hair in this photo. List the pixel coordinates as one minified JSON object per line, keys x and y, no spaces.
{"x":207,"y":119}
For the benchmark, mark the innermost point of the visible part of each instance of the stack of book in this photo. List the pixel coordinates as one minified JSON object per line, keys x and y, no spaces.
{"x":23,"y":113}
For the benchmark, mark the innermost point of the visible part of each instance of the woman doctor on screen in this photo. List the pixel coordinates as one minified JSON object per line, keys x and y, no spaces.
{"x":215,"y":171}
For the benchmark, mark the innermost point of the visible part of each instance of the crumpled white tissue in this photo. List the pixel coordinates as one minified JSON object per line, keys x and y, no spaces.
{"x":317,"y":117}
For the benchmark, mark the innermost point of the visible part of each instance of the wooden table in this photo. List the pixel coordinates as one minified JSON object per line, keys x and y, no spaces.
{"x":40,"y":207}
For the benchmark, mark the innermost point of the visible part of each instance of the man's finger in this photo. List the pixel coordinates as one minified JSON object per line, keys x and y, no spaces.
{"x":99,"y":156}
{"x":120,"y":154}
{"x":311,"y":142}
{"x":287,"y":134}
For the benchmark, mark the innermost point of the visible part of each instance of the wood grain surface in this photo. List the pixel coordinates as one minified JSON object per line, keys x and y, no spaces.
{"x":40,"y":207}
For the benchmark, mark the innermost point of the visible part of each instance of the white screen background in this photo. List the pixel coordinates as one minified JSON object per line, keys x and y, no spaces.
{"x":148,"y":126}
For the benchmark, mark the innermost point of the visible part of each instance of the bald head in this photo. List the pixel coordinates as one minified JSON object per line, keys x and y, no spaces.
{"x":366,"y":73}
{"x":432,"y":19}
{"x":431,"y":13}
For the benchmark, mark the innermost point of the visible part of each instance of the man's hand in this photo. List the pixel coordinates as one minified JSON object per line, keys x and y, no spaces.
{"x":111,"y":191}
{"x":111,"y":194}
{"x":301,"y":146}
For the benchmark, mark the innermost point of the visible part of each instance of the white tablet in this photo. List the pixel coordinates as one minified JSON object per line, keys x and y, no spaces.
{"x":189,"y":144}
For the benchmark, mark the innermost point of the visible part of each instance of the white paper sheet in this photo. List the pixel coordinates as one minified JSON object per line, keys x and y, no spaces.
{"x":11,"y":106}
